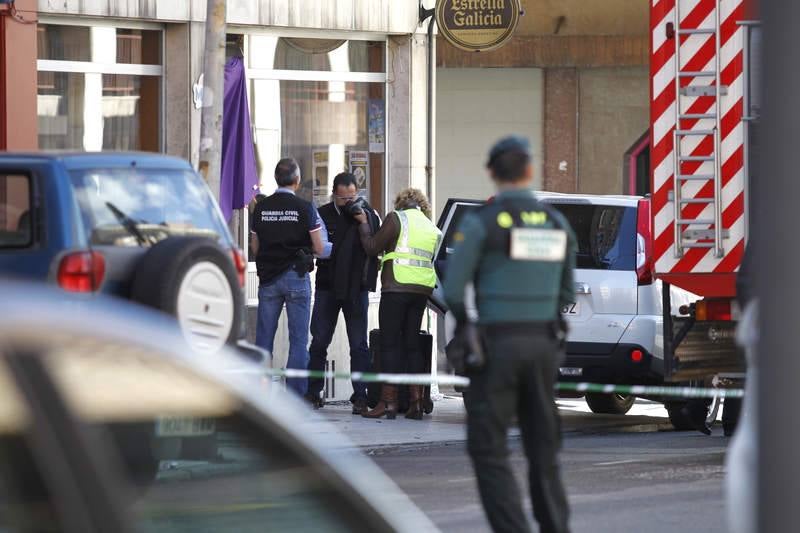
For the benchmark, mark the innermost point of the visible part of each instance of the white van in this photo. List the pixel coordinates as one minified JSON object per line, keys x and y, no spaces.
{"x":616,"y":325}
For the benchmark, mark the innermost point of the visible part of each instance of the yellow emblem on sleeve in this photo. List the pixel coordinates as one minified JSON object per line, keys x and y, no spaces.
{"x":458,"y":236}
{"x":504,"y":220}
{"x":533,"y":218}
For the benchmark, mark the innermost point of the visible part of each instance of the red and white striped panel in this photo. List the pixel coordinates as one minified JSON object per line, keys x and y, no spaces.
{"x":697,"y":54}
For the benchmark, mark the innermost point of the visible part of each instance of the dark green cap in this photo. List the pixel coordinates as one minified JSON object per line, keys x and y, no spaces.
{"x":512,"y":143}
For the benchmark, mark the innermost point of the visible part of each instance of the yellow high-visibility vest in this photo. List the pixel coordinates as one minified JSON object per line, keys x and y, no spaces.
{"x":412,"y":258}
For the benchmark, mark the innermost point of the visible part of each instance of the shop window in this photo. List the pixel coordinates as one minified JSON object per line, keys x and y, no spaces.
{"x":108,"y":97}
{"x":328,"y":126}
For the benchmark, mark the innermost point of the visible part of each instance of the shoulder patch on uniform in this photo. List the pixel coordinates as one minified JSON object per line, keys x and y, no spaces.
{"x":458,"y":236}
{"x":505,"y":220}
{"x":533,"y":218}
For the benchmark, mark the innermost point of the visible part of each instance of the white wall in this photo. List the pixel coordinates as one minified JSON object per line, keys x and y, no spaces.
{"x":475,"y":107}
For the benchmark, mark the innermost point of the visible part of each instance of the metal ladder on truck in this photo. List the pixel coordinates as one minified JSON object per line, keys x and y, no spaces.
{"x":694,"y":237}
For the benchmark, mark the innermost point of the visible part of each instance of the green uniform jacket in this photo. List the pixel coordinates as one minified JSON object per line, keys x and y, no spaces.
{"x":509,"y":291}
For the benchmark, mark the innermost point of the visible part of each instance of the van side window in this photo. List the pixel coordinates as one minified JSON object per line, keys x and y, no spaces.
{"x":16,"y":220}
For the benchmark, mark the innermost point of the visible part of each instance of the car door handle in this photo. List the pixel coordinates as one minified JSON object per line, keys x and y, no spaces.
{"x":582,"y":288}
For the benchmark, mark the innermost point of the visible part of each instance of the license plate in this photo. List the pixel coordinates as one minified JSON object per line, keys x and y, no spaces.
{"x":570,"y":371}
{"x":173,"y":426}
{"x":571,"y":309}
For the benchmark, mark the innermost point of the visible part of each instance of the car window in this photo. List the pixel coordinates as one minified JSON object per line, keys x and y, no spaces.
{"x":606,"y":235}
{"x":25,"y":504}
{"x":16,"y":222}
{"x":135,"y":207}
{"x":196,"y":461}
{"x":453,"y":220}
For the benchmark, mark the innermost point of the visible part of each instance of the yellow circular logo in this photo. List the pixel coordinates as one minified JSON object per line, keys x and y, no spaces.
{"x":477,"y":25}
{"x":504,"y":220}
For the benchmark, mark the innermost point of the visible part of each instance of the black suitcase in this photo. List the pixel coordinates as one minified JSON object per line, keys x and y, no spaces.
{"x":374,"y":389}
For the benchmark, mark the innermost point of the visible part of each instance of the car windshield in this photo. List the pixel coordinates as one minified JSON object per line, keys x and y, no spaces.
{"x":136,"y":207}
{"x":606,"y":235}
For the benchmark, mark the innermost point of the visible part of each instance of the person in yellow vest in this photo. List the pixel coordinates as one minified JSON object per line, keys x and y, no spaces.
{"x":407,"y":240}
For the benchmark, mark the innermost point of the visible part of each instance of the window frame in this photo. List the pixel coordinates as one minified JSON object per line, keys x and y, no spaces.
{"x":258,"y":74}
{"x":254,"y":74}
{"x":33,"y":208}
{"x":128,"y":69}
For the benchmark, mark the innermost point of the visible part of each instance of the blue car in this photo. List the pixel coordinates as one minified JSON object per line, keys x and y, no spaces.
{"x":141,"y":227}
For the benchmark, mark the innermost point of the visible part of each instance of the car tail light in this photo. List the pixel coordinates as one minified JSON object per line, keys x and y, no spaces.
{"x":240,"y":264}
{"x":716,"y":310}
{"x":644,"y":244}
{"x":81,"y":271}
{"x":637,"y":356}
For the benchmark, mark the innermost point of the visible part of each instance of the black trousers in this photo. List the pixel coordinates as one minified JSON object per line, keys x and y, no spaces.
{"x":400,"y":318}
{"x":323,"y":326}
{"x":518,"y":379}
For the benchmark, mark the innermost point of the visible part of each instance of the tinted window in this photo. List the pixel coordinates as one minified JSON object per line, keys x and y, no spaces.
{"x":195,"y":460}
{"x":25,"y":502}
{"x":15,"y":211}
{"x":130,"y":207}
{"x":606,"y":235}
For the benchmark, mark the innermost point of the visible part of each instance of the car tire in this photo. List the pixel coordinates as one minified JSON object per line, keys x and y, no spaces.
{"x":194,"y":280}
{"x":610,"y":404}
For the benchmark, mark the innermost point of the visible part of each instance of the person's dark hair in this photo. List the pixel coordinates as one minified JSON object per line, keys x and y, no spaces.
{"x":509,"y":166}
{"x":286,"y":172}
{"x":344,"y":179}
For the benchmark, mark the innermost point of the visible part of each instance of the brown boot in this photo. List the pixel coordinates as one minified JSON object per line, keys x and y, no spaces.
{"x":387,"y":406}
{"x":414,"y":402}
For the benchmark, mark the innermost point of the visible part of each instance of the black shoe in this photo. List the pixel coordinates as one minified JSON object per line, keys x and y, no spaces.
{"x":360,"y":406}
{"x":316,"y":401}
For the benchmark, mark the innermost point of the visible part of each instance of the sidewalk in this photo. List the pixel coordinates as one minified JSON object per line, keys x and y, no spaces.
{"x":447,"y":423}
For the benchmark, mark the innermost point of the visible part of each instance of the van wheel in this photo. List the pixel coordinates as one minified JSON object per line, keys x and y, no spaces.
{"x":610,"y":404}
{"x":194,"y":280}
{"x":678,"y":417}
{"x":682,"y":420}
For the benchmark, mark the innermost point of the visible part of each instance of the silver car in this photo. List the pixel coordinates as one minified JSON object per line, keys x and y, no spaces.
{"x":110,"y":422}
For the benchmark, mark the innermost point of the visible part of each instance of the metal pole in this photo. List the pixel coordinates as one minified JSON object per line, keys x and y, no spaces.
{"x":676,"y":140}
{"x":776,"y":258}
{"x":718,"y":251}
{"x":429,"y":176}
{"x":213,"y":87}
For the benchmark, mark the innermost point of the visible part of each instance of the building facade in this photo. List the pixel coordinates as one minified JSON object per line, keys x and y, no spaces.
{"x":574,"y":79}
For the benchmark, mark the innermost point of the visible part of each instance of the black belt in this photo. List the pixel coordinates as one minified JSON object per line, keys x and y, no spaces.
{"x":520,"y":328}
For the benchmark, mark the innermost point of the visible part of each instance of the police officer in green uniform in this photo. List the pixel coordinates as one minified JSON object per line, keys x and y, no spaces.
{"x":520,"y":256}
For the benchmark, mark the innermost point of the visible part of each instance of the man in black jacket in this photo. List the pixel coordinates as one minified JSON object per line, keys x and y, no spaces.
{"x":343,"y":284}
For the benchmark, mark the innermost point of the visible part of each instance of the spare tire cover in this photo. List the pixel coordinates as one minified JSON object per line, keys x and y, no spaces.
{"x":194,"y":280}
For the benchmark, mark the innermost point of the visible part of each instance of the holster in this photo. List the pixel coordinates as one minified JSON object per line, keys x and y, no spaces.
{"x":467,"y":352}
{"x":303,"y":262}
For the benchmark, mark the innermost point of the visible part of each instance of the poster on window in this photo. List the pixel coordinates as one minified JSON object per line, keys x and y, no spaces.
{"x":359,"y":167}
{"x":377,"y":126}
{"x":319,"y":170}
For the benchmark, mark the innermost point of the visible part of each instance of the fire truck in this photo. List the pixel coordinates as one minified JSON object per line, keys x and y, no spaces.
{"x":703,"y":140}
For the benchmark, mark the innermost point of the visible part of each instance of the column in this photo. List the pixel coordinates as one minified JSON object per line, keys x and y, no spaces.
{"x":18,"y":79}
{"x":561,"y":130}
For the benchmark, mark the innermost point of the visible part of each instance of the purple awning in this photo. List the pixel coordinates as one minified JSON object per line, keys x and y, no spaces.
{"x":239,"y":174}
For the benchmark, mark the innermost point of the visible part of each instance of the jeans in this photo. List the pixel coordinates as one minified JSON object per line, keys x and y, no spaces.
{"x":518,"y":379}
{"x":294,"y":291}
{"x":400,"y":317}
{"x":323,"y":325}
